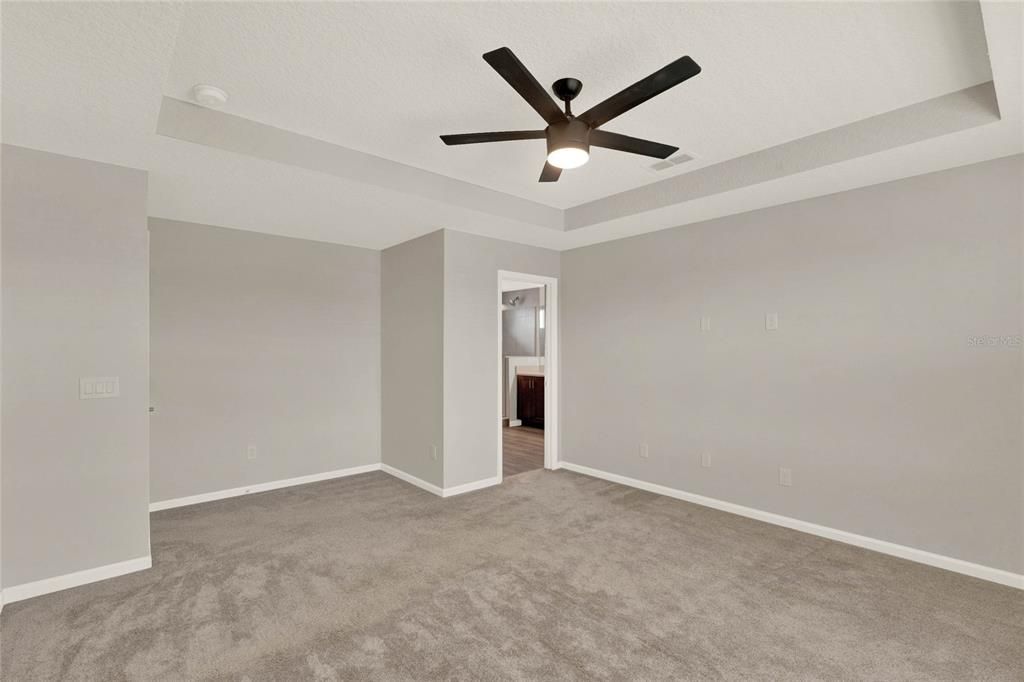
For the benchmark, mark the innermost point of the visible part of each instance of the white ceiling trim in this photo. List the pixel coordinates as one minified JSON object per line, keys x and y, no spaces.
{"x":939,"y":116}
{"x":193,"y":123}
{"x":950,"y":113}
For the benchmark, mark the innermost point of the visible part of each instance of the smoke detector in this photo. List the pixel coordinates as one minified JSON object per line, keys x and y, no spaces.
{"x":209,"y":96}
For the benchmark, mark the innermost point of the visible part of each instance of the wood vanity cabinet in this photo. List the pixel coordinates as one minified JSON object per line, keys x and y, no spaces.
{"x":530,"y":401}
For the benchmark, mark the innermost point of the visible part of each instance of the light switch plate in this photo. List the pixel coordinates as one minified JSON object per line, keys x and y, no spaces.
{"x":92,"y":388}
{"x":785,"y":476}
{"x":771,"y":321}
{"x":705,"y":324}
{"x":705,"y":460}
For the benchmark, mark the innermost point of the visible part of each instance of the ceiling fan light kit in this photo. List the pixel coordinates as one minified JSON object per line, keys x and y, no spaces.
{"x":569,"y":137}
{"x":568,"y":144}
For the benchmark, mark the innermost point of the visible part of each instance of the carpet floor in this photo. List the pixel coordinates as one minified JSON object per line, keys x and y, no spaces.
{"x":552,"y":575}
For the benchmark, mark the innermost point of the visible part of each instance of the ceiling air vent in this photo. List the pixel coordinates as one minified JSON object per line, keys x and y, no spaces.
{"x":674,"y":161}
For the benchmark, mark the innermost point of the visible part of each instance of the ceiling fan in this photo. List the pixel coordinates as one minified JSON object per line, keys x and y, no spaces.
{"x":569,"y":137}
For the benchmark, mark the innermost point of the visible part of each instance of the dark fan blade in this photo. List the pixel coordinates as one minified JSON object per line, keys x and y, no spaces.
{"x":505,"y":136}
{"x":641,"y":91}
{"x":513,"y":71}
{"x":550,"y":173}
{"x":633,"y":145}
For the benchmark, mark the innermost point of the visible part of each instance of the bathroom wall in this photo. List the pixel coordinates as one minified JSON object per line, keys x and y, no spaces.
{"x":521,"y":336}
{"x":519,"y":322}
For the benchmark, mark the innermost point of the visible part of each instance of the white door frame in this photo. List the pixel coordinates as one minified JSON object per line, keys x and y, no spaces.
{"x":551,"y":374}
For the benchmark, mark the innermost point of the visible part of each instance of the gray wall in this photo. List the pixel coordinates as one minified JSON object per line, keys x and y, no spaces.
{"x":1,"y":404}
{"x":75,"y":303}
{"x":261,"y":341}
{"x":472,"y":339}
{"x":894,"y":424}
{"x":412,"y":347}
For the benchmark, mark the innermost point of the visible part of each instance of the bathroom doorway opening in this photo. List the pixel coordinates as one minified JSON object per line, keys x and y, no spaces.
{"x":528,"y":373}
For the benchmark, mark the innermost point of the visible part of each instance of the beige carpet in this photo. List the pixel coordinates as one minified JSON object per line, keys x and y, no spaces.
{"x":553,"y":575}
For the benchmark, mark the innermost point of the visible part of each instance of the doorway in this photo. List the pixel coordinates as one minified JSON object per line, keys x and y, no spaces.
{"x":528,"y":373}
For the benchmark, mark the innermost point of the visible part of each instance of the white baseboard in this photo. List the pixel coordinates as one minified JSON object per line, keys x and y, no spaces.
{"x":921,"y":556}
{"x":469,"y":487}
{"x":63,"y":582}
{"x":261,"y":487}
{"x":313,"y":478}
{"x":436,"y":489}
{"x":515,"y":422}
{"x":409,"y":478}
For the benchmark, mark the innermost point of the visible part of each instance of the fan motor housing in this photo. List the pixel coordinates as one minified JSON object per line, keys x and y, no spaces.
{"x":572,"y":133}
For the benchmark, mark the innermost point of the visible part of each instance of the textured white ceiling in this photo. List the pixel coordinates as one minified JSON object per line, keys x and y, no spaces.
{"x":389,"y":78}
{"x":87,"y":79}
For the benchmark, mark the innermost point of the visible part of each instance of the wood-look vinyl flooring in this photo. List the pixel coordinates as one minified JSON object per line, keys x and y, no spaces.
{"x":522,"y":449}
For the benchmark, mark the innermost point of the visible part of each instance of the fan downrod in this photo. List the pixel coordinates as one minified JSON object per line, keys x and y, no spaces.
{"x":566,"y":90}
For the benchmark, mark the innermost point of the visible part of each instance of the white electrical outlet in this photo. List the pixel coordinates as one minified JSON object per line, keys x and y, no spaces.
{"x":705,"y":460}
{"x":785,"y":476}
{"x":433,"y":452}
{"x":705,"y":324}
{"x":771,"y":321}
{"x":251,"y":452}
{"x":644,"y":451}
